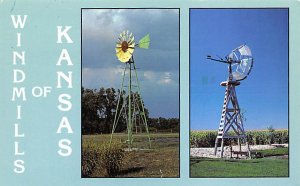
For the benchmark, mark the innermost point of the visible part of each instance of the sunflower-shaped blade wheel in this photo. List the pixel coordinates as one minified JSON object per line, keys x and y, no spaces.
{"x":125,"y":46}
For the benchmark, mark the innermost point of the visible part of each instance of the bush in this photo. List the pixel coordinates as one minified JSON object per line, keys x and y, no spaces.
{"x":90,"y":159}
{"x":254,"y":137}
{"x":108,"y":159}
{"x":112,"y":159}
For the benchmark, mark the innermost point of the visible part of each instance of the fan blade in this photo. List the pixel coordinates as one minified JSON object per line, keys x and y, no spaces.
{"x":123,"y":56}
{"x":118,"y":49}
{"x":131,"y":40}
{"x":118,"y":54}
{"x":245,"y":50}
{"x":130,"y":50}
{"x":144,"y":42}
{"x":131,"y":45}
{"x":127,"y":55}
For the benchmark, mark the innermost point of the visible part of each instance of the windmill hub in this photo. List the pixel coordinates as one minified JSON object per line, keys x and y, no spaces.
{"x":234,"y":83}
{"x":124,"y":46}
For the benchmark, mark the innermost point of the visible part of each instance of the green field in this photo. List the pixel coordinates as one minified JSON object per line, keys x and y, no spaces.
{"x":162,"y":160}
{"x":270,"y":166}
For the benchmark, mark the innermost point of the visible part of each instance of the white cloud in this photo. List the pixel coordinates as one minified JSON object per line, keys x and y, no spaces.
{"x":166,"y":78}
{"x":149,"y":75}
{"x":112,"y":77}
{"x":162,"y":78}
{"x":101,"y":77}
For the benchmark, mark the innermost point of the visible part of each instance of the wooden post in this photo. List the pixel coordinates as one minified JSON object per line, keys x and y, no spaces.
{"x":230,"y":150}
{"x":239,"y":145}
{"x":216,"y":146}
{"x":249,"y":152}
{"x":222,"y":147}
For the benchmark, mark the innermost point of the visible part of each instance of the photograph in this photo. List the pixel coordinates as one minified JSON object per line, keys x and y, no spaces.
{"x":130,"y":93}
{"x":239,"y":92}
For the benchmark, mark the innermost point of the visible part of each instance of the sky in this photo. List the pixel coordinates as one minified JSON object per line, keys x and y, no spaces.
{"x":158,"y":66}
{"x":263,"y":95}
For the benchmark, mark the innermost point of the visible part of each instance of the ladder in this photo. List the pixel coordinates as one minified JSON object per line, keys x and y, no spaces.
{"x":231,"y":119}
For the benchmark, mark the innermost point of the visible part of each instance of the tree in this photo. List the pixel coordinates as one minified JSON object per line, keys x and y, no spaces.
{"x":98,"y":109}
{"x":89,"y":110}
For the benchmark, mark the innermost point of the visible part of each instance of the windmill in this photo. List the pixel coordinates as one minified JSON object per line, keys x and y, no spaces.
{"x":240,"y":63}
{"x":132,"y":107}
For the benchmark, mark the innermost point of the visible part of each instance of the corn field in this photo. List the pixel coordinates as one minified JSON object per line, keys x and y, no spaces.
{"x":254,"y":137}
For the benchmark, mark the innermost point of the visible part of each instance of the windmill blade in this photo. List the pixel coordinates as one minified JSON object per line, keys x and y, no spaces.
{"x":130,"y":50}
{"x":245,"y":50}
{"x":118,"y":50}
{"x":118,"y":54}
{"x":144,"y":42}
{"x":131,"y":40}
{"x":131,"y":45}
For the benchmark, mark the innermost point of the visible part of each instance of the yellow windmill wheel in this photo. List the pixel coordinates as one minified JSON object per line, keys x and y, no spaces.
{"x":125,"y":46}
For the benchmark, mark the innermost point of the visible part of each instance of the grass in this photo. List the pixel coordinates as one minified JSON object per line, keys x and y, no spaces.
{"x":263,"y":167}
{"x":162,"y":160}
{"x":274,"y":152}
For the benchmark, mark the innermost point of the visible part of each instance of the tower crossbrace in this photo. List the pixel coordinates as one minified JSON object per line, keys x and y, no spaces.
{"x":231,"y":123}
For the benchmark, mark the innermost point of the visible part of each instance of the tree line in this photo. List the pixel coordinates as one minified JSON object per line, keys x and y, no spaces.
{"x":98,"y":109}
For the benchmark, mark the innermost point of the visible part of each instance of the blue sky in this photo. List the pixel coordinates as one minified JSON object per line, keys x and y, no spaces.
{"x":264,"y":94}
{"x":158,"y":67}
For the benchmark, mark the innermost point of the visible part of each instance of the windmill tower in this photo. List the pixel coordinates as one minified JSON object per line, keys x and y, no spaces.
{"x":132,"y":108}
{"x":240,"y":63}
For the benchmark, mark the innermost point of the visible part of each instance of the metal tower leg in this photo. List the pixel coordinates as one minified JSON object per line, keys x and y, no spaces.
{"x":129,"y":109}
{"x":118,"y":113}
{"x":142,"y":105}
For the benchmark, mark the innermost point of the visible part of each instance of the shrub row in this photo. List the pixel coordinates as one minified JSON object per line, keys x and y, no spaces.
{"x":254,"y":137}
{"x":105,"y":158}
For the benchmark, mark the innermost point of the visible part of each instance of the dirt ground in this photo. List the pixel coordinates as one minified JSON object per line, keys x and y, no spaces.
{"x":209,"y":152}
